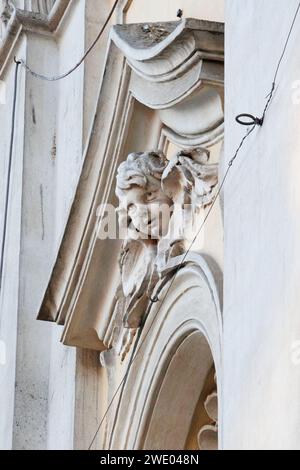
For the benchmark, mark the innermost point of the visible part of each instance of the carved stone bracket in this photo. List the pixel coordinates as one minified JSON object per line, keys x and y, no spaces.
{"x":184,"y":53}
{"x":177,"y":68}
{"x":40,"y":6}
{"x":42,"y":16}
{"x":160,"y":201}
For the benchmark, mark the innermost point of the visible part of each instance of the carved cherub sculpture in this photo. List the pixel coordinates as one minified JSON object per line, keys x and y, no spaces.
{"x":158,"y":199}
{"x":140,"y":192}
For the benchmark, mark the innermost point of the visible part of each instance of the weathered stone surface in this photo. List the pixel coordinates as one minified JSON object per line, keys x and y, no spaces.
{"x":159,"y":203}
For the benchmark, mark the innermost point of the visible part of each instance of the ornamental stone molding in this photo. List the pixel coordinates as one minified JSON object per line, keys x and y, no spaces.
{"x":178,"y":68}
{"x":17,"y":16}
{"x":208,"y":434}
{"x":172,"y":72}
{"x":177,"y":354}
{"x":11,"y":8}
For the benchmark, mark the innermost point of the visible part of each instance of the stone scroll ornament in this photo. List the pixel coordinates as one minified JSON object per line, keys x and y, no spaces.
{"x":159,"y":205}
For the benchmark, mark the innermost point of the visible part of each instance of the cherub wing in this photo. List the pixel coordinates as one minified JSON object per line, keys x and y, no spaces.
{"x":190,"y":179}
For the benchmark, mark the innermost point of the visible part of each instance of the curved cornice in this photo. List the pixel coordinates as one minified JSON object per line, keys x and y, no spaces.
{"x":142,"y":42}
{"x":171,"y":60}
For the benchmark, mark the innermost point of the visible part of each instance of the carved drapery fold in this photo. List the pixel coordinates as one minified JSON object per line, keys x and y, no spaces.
{"x":162,"y":403}
{"x":185,"y":53}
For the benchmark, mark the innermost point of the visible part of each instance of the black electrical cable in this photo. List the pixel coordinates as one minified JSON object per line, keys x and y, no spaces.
{"x":259,"y":121}
{"x":135,"y":353}
{"x":64,"y":75}
{"x":19,"y":62}
{"x":255,"y":122}
{"x":8,"y":179}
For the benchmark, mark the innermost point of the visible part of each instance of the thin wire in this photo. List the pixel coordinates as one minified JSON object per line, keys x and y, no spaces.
{"x":21,"y":62}
{"x":270,"y":95}
{"x":117,"y":391}
{"x":11,"y":146}
{"x":286,"y":42}
{"x":64,"y":75}
{"x":134,"y":354}
{"x":230,"y":163}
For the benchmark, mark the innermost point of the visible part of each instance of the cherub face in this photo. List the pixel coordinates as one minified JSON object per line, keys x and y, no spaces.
{"x":148,"y":211}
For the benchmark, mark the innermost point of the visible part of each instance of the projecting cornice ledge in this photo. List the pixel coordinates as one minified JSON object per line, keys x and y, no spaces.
{"x":186,"y":54}
{"x":145,"y":41}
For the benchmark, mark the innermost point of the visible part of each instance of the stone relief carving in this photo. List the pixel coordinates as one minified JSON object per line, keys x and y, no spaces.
{"x":208,"y":434}
{"x":159,"y":204}
{"x":27,"y":14}
{"x":175,"y":68}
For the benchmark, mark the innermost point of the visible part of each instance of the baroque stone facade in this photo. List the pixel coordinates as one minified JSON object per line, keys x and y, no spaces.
{"x":172,"y":330}
{"x":161,"y":88}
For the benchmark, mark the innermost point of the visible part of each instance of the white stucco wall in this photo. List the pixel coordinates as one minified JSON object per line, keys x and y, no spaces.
{"x":260,"y":402}
{"x":37,"y":249}
{"x":68,"y":155}
{"x":61,"y":395}
{"x":166,"y":10}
